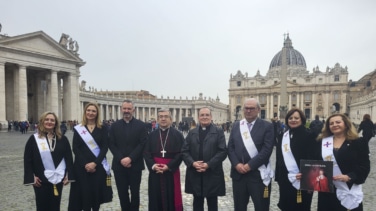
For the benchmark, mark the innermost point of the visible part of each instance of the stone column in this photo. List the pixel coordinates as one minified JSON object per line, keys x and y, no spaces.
{"x":143,"y":114}
{"x":60,"y":101}
{"x":54,"y":94}
{"x":71,"y":97}
{"x":113,"y":111}
{"x":107,"y":117}
{"x":119,"y":114}
{"x":82,"y":110}
{"x":149,"y":112}
{"x":3,"y":120}
{"x":101,"y":110}
{"x":174,"y":115}
{"x":313,"y":106}
{"x":180,"y":114}
{"x":136,"y":113}
{"x":21,"y":94}
{"x":298,"y":99}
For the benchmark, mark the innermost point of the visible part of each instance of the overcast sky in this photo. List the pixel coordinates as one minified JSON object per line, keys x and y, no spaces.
{"x":181,"y":48}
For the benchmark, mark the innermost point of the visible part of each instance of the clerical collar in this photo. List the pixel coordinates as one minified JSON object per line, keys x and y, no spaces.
{"x":204,"y":128}
{"x":164,"y":129}
{"x":128,"y":121}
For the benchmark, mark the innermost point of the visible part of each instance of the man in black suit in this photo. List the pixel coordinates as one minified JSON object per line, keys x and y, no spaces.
{"x":127,"y":140}
{"x":249,"y":149}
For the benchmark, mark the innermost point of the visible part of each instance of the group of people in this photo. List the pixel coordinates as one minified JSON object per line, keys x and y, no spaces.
{"x":49,"y":162}
{"x":338,"y":142}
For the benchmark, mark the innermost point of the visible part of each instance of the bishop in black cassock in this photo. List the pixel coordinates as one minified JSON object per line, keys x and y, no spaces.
{"x":163,"y":158}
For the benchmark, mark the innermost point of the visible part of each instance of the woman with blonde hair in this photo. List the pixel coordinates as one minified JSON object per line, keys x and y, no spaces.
{"x":90,"y":146}
{"x":339,"y":142}
{"x":48,"y":163}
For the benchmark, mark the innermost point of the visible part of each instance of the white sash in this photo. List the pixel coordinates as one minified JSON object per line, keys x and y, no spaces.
{"x":350,"y":198}
{"x":288,"y":157}
{"x":266,"y":172}
{"x":53,"y":175}
{"x":93,"y":146}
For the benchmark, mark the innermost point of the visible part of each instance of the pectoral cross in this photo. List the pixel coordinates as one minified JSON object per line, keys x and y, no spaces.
{"x":163,"y":152}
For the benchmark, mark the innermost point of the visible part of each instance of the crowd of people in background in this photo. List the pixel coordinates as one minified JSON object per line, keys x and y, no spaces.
{"x":164,"y":145}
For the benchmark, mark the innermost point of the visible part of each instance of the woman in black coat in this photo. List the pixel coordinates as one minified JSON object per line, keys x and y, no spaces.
{"x":340,"y":143}
{"x":299,"y":142}
{"x":48,"y":163}
{"x":90,"y":145}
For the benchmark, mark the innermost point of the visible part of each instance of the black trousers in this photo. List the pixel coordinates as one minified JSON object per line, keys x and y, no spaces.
{"x":198,"y":203}
{"x":128,"y":179}
{"x":45,"y":198}
{"x":250,"y":185}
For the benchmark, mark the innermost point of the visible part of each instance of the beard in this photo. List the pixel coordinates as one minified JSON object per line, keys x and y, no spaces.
{"x":127,"y":114}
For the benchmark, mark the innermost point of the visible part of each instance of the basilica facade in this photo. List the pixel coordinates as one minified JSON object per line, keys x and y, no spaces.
{"x":316,"y":92}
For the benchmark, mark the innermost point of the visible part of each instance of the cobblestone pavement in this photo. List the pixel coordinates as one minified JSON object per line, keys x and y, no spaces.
{"x":16,"y":196}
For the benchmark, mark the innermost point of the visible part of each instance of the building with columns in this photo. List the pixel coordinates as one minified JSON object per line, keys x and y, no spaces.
{"x":38,"y":74}
{"x":315,"y":93}
{"x":147,"y":105}
{"x":362,"y":98}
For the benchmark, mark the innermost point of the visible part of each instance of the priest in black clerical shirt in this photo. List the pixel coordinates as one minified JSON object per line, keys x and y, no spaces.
{"x":203,"y":151}
{"x":162,"y":156}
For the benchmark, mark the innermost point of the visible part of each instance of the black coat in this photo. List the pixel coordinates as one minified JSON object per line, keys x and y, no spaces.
{"x":33,"y":164}
{"x":367,"y":129}
{"x":214,"y":153}
{"x":128,"y":140}
{"x":353,"y":160}
{"x":303,"y":145}
{"x":90,"y":189}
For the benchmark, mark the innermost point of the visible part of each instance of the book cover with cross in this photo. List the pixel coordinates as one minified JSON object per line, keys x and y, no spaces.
{"x":317,"y":175}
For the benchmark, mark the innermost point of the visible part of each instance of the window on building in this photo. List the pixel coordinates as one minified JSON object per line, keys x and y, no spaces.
{"x":307,"y":96}
{"x":293,"y":98}
{"x":252,"y":83}
{"x":307,"y":113}
{"x":335,"y":96}
{"x":238,"y":99}
{"x":320,"y":80}
{"x":294,"y":81}
{"x":262,"y":99}
{"x":262,"y":114}
{"x":336,"y":77}
{"x":263,"y":83}
{"x":275,"y":82}
{"x":239,"y":83}
{"x":308,"y":80}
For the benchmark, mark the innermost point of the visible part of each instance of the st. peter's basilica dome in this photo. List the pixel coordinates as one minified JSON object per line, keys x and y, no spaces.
{"x":295,"y":60}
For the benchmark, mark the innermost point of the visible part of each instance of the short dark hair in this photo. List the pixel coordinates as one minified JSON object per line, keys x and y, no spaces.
{"x":293,"y":110}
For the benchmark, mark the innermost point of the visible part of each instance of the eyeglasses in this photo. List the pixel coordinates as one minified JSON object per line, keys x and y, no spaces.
{"x":250,"y":108}
{"x":163,"y":116}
